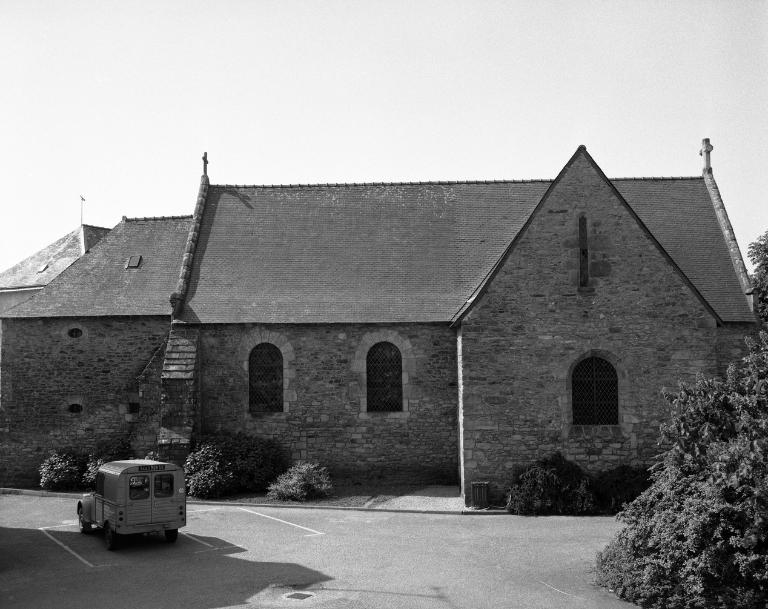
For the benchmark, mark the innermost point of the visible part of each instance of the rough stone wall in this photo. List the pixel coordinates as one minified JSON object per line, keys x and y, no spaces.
{"x":731,"y":343}
{"x":324,"y":414}
{"x":534,"y":323}
{"x":145,"y":435}
{"x":45,"y":370}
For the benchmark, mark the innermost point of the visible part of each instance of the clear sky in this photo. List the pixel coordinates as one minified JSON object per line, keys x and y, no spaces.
{"x":118,"y":100}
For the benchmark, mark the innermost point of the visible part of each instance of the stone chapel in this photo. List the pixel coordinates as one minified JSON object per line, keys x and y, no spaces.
{"x":430,"y":332}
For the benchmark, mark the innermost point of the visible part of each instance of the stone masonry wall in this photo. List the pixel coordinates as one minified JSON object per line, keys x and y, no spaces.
{"x":534,"y":323}
{"x":45,"y":371}
{"x":324,"y":414}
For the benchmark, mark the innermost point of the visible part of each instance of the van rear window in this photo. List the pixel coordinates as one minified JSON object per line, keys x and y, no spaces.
{"x":163,"y":485}
{"x":138,"y":487}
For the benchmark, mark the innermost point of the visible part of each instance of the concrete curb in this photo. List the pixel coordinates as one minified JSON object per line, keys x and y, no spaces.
{"x":315,"y":506}
{"x":41,"y":493}
{"x":192,"y":501}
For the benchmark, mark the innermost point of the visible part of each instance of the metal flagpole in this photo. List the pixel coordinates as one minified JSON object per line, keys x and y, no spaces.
{"x":82,"y":200}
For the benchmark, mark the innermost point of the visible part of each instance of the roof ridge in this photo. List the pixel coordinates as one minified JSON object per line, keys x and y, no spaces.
{"x":351,"y":184}
{"x":652,"y":178}
{"x":140,"y":219}
{"x":435,"y":182}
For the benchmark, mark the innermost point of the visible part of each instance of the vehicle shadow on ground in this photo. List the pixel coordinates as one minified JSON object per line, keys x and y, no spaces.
{"x":76,"y":570}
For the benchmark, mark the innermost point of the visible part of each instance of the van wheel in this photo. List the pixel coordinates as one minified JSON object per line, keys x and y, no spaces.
{"x":110,"y":537}
{"x":171,"y":535}
{"x":85,"y":526}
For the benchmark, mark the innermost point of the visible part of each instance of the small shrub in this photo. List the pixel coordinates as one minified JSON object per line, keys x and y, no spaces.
{"x":104,"y":452}
{"x":62,"y":470}
{"x":255,"y":461}
{"x":301,"y":482}
{"x":208,"y":474}
{"x":240,"y":463}
{"x":551,"y":486}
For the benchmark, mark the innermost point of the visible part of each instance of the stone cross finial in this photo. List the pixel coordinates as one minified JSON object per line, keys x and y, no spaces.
{"x":706,"y":148}
{"x":205,"y":163}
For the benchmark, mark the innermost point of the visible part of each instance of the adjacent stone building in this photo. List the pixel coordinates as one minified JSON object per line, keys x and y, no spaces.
{"x":426,"y":332}
{"x":25,"y":279}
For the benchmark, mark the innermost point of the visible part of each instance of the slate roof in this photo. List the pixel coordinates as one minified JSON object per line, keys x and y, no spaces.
{"x":53,"y":259}
{"x":98,"y":284}
{"x":679,"y":213}
{"x":350,"y":253}
{"x":411,"y":252}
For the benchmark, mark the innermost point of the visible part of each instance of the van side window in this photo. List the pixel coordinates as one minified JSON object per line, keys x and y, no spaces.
{"x":163,"y":485}
{"x":138,"y":487}
{"x":100,"y":483}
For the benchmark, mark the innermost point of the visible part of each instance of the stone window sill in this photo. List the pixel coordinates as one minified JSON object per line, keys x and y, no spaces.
{"x":589,"y":432}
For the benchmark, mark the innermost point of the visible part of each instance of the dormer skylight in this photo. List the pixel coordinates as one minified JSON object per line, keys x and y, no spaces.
{"x":134,"y":262}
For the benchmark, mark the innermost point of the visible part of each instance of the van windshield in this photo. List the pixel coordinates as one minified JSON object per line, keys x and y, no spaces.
{"x":138,"y":487}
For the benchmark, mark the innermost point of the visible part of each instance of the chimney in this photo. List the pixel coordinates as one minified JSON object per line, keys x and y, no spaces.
{"x":706,"y":148}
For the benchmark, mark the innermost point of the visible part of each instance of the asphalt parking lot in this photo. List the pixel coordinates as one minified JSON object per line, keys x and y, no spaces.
{"x":241,"y":556}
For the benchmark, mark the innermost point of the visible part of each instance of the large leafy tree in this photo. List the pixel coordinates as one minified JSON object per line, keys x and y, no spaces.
{"x":698,"y":537}
{"x":758,"y":254}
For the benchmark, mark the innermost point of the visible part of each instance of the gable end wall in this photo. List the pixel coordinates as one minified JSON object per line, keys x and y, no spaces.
{"x":533,"y":323}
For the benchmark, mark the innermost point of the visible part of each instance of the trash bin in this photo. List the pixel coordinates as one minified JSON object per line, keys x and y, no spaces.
{"x":480,"y":495}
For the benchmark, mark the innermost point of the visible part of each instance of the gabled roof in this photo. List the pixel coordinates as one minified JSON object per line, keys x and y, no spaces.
{"x":98,"y":284}
{"x":412,"y":252}
{"x":41,"y":267}
{"x":679,"y":216}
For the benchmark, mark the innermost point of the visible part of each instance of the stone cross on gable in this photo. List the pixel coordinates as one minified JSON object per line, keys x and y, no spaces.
{"x":205,"y":163}
{"x":706,"y":148}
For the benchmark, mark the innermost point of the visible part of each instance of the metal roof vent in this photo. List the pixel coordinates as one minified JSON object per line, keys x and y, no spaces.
{"x":42,"y":267}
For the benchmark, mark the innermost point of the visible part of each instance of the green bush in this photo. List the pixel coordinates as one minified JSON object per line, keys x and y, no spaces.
{"x":104,"y":452}
{"x":551,"y":486}
{"x":208,"y":474}
{"x":301,"y":482}
{"x":227,"y":464}
{"x":70,"y":469}
{"x":557,"y":486}
{"x":62,"y":470}
{"x":698,"y":537}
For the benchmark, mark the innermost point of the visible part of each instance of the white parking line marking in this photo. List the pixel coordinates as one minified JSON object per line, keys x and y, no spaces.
{"x":560,"y":591}
{"x":214,"y":509}
{"x":67,"y":548}
{"x":193,"y":538}
{"x":298,"y":526}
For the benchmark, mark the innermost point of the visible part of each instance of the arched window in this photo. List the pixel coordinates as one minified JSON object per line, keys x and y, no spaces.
{"x":384,"y":373}
{"x":595,"y":393}
{"x":265,"y":379}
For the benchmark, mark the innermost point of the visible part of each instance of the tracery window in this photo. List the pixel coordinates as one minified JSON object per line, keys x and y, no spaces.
{"x":265,"y":379}
{"x":384,"y":374}
{"x":595,"y":393}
